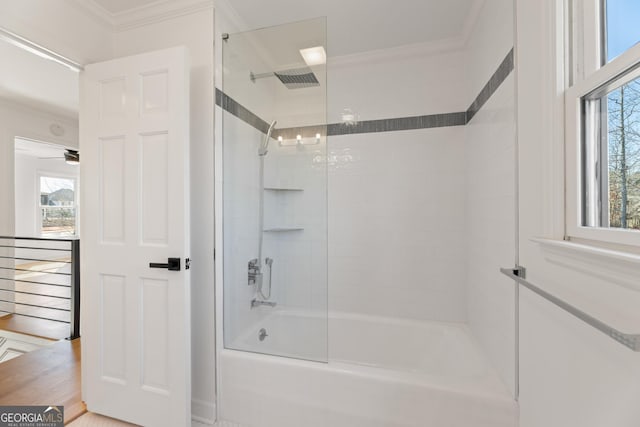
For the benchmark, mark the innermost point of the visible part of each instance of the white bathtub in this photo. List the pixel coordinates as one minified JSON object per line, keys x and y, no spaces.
{"x":382,"y":372}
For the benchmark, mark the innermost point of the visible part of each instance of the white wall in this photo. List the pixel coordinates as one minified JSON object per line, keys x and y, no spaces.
{"x":59,"y":25}
{"x":27,"y":171}
{"x":300,"y":257}
{"x":490,"y":224}
{"x":241,"y":207}
{"x":396,"y":224}
{"x":396,"y":199}
{"x":488,"y":44}
{"x":397,"y":82}
{"x":195,"y":31}
{"x":570,"y":373}
{"x":26,"y":196}
{"x":490,"y":191}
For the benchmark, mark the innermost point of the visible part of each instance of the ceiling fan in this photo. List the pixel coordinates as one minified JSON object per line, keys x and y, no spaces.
{"x":72,"y":157}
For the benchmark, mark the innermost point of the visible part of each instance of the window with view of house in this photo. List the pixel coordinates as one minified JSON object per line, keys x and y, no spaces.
{"x":603,"y":117}
{"x":57,"y":206}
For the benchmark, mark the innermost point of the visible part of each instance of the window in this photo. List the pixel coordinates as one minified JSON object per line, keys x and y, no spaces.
{"x":603,"y":123}
{"x":611,"y":159}
{"x":622,"y":31}
{"x":57,"y":206}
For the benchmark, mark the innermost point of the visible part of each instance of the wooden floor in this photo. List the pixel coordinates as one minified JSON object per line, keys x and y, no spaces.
{"x":48,"y":376}
{"x":94,"y":420}
{"x":34,"y":327}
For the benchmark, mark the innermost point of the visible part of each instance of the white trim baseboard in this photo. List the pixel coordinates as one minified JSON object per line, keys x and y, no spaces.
{"x":203,"y":412}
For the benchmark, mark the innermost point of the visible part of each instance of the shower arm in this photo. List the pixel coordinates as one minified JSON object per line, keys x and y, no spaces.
{"x":255,"y":77}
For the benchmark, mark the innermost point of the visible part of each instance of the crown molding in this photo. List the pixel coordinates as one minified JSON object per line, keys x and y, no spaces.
{"x":158,"y":11}
{"x":161,"y":10}
{"x":415,"y":50}
{"x":448,"y":45}
{"x":233,"y":19}
{"x":96,"y":13}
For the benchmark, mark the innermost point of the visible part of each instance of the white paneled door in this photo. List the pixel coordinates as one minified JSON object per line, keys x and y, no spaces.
{"x":134,"y":143}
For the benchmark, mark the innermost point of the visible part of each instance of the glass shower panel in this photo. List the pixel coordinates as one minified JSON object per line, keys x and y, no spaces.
{"x":274,"y":100}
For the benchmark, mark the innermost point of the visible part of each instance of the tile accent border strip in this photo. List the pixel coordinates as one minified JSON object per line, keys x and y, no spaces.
{"x":403,"y":123}
{"x":371,"y":126}
{"x":229,"y":104}
{"x":500,"y":75}
{"x":382,"y":125}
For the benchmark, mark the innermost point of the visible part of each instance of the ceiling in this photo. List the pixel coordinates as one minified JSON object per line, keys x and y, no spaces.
{"x":355,"y":26}
{"x":122,"y":6}
{"x":39,"y":149}
{"x":37,"y":82}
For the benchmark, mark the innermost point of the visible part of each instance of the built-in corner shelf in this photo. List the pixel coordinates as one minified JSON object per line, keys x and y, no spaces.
{"x":282,"y":189}
{"x":281,"y":202}
{"x":281,"y":229}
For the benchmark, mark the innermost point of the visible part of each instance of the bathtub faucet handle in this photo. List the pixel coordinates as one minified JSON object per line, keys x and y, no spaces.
{"x":254,"y":273}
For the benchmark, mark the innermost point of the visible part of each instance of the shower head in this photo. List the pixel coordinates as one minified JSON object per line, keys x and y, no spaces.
{"x":298,"y":78}
{"x":295,"y":78}
{"x":262,"y":151}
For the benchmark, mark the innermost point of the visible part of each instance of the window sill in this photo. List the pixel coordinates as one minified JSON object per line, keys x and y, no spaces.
{"x":622,"y":268}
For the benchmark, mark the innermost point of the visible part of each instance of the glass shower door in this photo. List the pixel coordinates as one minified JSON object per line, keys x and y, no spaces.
{"x":274,"y":100}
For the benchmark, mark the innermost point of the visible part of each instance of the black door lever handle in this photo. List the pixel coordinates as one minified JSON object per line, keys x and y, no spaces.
{"x":173,"y":264}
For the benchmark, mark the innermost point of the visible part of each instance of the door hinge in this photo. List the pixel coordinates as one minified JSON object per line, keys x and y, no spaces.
{"x":187,"y":263}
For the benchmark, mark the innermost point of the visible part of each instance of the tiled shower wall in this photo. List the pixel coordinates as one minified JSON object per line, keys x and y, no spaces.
{"x":489,"y":163}
{"x":421,"y":220}
{"x":396,"y":199}
{"x":294,"y":197}
{"x":409,"y":197}
{"x":421,"y":206}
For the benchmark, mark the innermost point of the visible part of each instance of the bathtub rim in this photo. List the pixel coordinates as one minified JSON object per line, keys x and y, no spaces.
{"x":493,"y":389}
{"x":475,"y":385}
